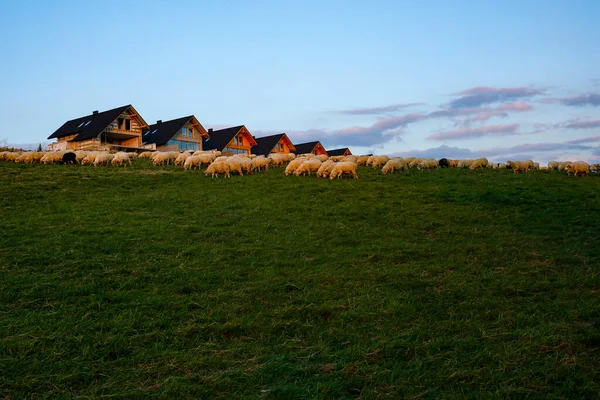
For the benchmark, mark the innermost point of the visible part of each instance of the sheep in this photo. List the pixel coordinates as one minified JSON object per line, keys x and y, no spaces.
{"x":293,"y":165}
{"x":414,"y":162}
{"x":429,"y":163}
{"x":464,"y":163}
{"x":80,"y":155}
{"x":561,"y":165}
{"x":395,"y":164}
{"x":206,"y":158}
{"x":325,"y":169}
{"x":162,"y":158}
{"x":308,"y":156}
{"x":21,"y":158}
{"x":322,"y":157}
{"x":518,"y":166}
{"x":221,"y":158}
{"x":69,"y":158}
{"x":287,"y":157}
{"x":181,"y":158}
{"x":409,"y":160}
{"x":578,"y":167}
{"x":217,"y":168}
{"x":261,"y":162}
{"x":536,"y":166}
{"x":478,"y":163}
{"x":276,"y":159}
{"x":500,"y":166}
{"x":90,"y":158}
{"x":453,"y":163}
{"x":103,"y":159}
{"x":530,"y":164}
{"x":344,"y":167}
{"x":34,"y":157}
{"x":379,"y":161}
{"x":234,"y":165}
{"x":192,"y":162}
{"x":245,"y":163}
{"x":443,"y":163}
{"x":132,"y":155}
{"x":336,"y":158}
{"x":362,"y":160}
{"x":553,"y":165}
{"x":121,"y":158}
{"x":351,"y":158}
{"x":147,"y":154}
{"x":308,"y":166}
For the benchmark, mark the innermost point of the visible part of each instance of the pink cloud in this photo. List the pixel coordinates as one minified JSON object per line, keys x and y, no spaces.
{"x":480,"y":95}
{"x":584,"y":125}
{"x":377,"y":110}
{"x":491,"y":130}
{"x":590,"y":139}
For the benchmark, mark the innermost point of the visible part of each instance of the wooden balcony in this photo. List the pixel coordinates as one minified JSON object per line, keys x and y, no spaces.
{"x":131,"y":132}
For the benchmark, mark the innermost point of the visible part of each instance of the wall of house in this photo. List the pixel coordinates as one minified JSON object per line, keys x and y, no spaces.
{"x":184,"y":140}
{"x":282,"y":147}
{"x":240,"y":144}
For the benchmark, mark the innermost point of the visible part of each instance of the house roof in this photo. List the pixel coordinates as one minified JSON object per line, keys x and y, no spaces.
{"x":304,"y":148}
{"x":266,"y":144}
{"x":338,"y":152}
{"x":161,"y":133}
{"x":220,"y":138}
{"x":90,"y":126}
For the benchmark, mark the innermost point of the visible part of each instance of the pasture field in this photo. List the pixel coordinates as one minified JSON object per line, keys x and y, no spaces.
{"x":154,"y":282}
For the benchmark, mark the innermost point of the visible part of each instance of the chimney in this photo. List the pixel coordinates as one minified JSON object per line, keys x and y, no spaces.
{"x":210,"y":131}
{"x":159,"y":121}
{"x":95,"y":112}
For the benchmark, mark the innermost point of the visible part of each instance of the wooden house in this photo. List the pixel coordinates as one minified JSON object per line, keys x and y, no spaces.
{"x":230,"y":141}
{"x":339,"y":152}
{"x":315,"y":148}
{"x":178,"y":134}
{"x":279,"y":143}
{"x":119,"y":128}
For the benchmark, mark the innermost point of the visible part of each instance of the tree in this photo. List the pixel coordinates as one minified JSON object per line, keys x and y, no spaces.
{"x":39,"y":148}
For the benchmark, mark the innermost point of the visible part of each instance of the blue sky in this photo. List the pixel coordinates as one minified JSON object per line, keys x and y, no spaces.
{"x":503,"y":79}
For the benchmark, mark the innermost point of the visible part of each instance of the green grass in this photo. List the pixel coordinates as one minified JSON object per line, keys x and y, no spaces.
{"x":158,"y":282}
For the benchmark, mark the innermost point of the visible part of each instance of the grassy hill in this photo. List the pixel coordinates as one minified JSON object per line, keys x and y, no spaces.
{"x":158,"y":282}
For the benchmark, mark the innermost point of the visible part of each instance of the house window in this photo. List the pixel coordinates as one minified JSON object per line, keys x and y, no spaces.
{"x":280,"y":146}
{"x":120,"y":123}
{"x":127,"y":124}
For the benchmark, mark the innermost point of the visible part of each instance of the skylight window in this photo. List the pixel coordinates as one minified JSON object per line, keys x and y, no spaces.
{"x":87,"y":123}
{"x":80,"y":125}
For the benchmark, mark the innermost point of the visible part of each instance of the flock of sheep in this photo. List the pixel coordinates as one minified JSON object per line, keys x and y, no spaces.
{"x":304,"y":164}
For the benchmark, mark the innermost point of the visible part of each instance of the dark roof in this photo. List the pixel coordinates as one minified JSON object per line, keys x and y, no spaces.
{"x":305,"y":148}
{"x":338,"y":152}
{"x":219,"y":139}
{"x":161,"y":133}
{"x":266,"y":144}
{"x":90,"y":126}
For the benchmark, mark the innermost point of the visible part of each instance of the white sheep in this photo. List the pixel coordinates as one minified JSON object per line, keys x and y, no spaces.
{"x":344,"y":167}
{"x":217,"y":168}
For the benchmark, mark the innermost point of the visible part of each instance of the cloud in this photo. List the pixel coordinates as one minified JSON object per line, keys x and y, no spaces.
{"x":590,"y":99}
{"x":535,"y":148}
{"x":491,"y":130}
{"x":590,"y":139}
{"x":584,"y":124}
{"x":480,"y":114}
{"x":439,"y":152}
{"x":377,"y":110}
{"x":481,"y":95}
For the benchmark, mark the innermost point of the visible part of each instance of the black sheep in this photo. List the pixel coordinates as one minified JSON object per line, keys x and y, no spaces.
{"x":443,"y":162}
{"x":69,"y":158}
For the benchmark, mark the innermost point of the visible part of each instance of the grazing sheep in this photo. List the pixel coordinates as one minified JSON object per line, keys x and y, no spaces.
{"x":414,"y":162}
{"x":162,"y":158}
{"x":234,"y":165}
{"x":500,"y":166}
{"x":343,"y":168}
{"x":553,"y":165}
{"x":276,"y":159}
{"x":308,"y":166}
{"x":325,"y":168}
{"x":562,"y":165}
{"x":322,"y":157}
{"x":121,"y":158}
{"x":578,"y":168}
{"x":429,"y":163}
{"x":464,"y":163}
{"x":479,"y":163}
{"x":217,"y":168}
{"x":409,"y":160}
{"x":69,"y":158}
{"x":351,"y":158}
{"x":103,"y":159}
{"x":536,"y":166}
{"x":192,"y":162}
{"x":293,"y":165}
{"x":34,"y":157}
{"x":395,"y":164}
{"x":336,"y":158}
{"x":261,"y":162}
{"x":453,"y":163}
{"x":444,"y":163}
{"x":379,"y":161}
{"x":181,"y":158}
{"x":287,"y":157}
{"x":245,"y":163}
{"x":518,"y":166}
{"x":90,"y":158}
{"x":147,"y":154}
{"x":362,"y":160}
{"x":206,"y":158}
